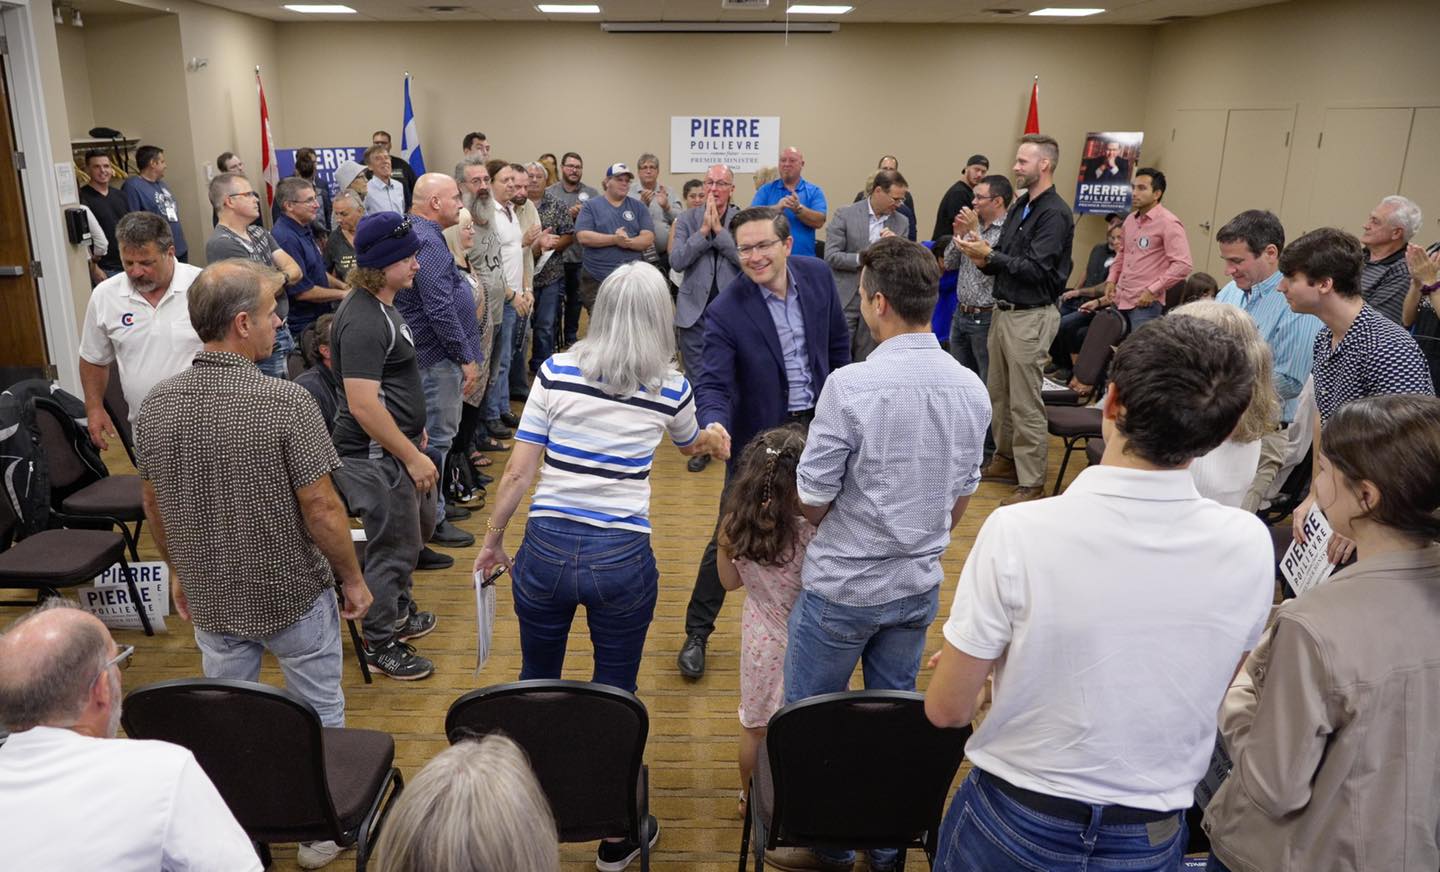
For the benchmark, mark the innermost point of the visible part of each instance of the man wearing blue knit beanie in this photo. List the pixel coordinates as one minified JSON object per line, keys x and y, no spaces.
{"x":387,"y":479}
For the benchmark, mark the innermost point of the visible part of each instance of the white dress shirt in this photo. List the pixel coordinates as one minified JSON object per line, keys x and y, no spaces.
{"x":150,"y":343}
{"x":71,"y":802}
{"x":380,"y":197}
{"x":512,"y":252}
{"x":1114,"y":649}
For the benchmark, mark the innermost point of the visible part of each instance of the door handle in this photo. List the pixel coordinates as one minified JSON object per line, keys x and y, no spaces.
{"x":11,"y":272}
{"x":1204,"y":225}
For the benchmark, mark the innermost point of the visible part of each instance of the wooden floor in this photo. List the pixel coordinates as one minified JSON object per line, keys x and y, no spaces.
{"x":693,"y":725}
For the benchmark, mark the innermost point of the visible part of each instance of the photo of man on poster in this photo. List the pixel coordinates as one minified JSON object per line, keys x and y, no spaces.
{"x":1106,"y":163}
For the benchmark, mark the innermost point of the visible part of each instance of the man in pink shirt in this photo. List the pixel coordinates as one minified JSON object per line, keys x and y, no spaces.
{"x":1154,"y":255}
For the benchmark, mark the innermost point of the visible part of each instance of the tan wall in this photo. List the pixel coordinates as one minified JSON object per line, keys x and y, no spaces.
{"x":75,"y":68}
{"x":930,"y":94}
{"x":1310,"y":54}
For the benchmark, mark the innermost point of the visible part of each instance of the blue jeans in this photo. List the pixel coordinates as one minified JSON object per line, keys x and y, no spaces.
{"x":1213,"y":864}
{"x":547,"y":309}
{"x":827,"y":639}
{"x":441,"y":383}
{"x":278,"y":363}
{"x":518,"y":384}
{"x":563,"y":564}
{"x":308,"y":651}
{"x":497,"y":398}
{"x":1141,"y":315}
{"x":985,"y":830}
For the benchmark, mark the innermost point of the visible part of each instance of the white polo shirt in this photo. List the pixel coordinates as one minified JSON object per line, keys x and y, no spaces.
{"x":69,"y":801}
{"x":1118,"y":611}
{"x":151,"y":343}
{"x":512,"y":252}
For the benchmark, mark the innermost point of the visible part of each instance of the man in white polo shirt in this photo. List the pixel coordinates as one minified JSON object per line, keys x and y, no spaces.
{"x":141,"y":806}
{"x":139,"y":318}
{"x":1111,"y":653}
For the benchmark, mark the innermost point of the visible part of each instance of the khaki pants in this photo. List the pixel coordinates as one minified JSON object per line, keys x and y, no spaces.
{"x":1272,"y":458}
{"x":1019,"y":344}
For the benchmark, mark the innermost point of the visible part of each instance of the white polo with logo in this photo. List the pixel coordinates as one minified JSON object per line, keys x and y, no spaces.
{"x":150,"y":343}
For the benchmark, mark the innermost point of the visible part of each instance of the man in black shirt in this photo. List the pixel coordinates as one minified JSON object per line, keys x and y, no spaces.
{"x":387,"y":479}
{"x":961,"y":195}
{"x":109,"y":207}
{"x":1031,"y":264}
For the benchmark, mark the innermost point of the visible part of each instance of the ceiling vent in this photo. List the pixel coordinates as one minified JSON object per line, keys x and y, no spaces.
{"x":1171,"y":19}
{"x":1003,"y":11}
{"x":744,"y":4}
{"x":447,"y":10}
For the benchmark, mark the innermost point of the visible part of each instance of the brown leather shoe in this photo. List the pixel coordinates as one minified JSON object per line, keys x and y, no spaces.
{"x":1023,"y":495}
{"x":1001,"y":469}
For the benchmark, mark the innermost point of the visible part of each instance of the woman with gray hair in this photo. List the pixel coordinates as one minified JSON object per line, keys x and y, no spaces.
{"x":476,"y":807}
{"x":594,"y":417}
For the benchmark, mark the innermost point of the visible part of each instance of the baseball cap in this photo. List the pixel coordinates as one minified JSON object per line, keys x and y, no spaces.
{"x":618,"y":169}
{"x":980,"y":159}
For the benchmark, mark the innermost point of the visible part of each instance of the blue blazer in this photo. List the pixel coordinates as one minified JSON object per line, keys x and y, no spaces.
{"x":742,"y":382}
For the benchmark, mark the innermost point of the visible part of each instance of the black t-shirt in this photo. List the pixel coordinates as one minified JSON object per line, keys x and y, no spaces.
{"x":109,"y":208}
{"x":370,"y":340}
{"x":339,"y":255}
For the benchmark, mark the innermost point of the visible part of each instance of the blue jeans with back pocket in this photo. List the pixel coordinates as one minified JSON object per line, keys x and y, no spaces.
{"x":985,"y":830}
{"x":563,"y":564}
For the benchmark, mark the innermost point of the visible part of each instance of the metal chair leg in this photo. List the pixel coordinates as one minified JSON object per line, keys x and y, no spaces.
{"x":135,"y":596}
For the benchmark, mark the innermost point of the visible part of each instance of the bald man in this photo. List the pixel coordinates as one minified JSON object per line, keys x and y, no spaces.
{"x":143,"y":806}
{"x":440,"y":311}
{"x":803,"y":202}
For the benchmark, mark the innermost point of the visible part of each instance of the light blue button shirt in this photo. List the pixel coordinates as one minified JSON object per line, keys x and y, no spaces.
{"x":1290,"y":335}
{"x":790,"y":326}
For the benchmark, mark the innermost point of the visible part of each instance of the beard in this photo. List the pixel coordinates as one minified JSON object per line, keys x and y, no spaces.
{"x":480,"y":206}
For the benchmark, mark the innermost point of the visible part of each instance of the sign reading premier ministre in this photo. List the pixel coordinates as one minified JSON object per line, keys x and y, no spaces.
{"x":742,"y":142}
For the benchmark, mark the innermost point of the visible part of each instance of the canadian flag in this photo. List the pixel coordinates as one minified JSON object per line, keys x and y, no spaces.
{"x":269,"y":168}
{"x":1032,"y":120}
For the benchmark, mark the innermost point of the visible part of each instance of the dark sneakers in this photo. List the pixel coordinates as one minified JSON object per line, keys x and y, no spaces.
{"x":509,"y":420}
{"x":614,"y":856}
{"x":399,"y":661}
{"x":432,"y":559}
{"x":415,"y":625}
{"x":450,"y":536}
{"x":698,"y":463}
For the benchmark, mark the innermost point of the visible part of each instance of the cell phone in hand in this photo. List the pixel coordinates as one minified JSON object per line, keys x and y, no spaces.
{"x":494,"y":575}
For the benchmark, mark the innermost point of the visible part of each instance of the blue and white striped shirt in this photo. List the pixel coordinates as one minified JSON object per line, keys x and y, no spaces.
{"x":599,"y":447}
{"x":1290,"y":335}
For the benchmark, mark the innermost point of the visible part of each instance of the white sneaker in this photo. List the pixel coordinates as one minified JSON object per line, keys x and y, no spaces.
{"x":314,"y":855}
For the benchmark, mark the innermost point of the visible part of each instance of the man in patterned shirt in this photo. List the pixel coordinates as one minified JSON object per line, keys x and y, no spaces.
{"x":556,"y":234}
{"x":1385,"y":278}
{"x":970,"y":329}
{"x":236,"y":470}
{"x":1358,"y":353}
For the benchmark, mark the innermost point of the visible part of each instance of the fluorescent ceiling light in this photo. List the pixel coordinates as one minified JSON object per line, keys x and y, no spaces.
{"x":811,"y":9}
{"x":569,"y":8}
{"x":321,"y":9}
{"x":1066,"y":12}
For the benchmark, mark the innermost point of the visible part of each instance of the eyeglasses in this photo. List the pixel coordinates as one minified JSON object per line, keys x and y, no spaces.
{"x":711,"y":183}
{"x":757,"y":248}
{"x":398,"y":233}
{"x":312,"y":200}
{"x":119,"y":661}
{"x":243,"y":194}
{"x":978,"y":198}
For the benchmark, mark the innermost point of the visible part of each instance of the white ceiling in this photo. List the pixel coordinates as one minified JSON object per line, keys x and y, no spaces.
{"x":865,"y":12}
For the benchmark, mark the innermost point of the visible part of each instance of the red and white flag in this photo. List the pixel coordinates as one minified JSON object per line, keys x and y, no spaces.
{"x":1032,"y":120}
{"x":269,"y":168}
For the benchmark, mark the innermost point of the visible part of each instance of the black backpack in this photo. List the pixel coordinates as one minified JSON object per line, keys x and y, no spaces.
{"x":24,"y":477}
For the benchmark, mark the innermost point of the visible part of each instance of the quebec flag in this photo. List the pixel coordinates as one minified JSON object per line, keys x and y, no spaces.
{"x":410,"y":136}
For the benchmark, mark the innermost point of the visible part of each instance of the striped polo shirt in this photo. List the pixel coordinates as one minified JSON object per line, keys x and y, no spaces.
{"x":599,"y":447}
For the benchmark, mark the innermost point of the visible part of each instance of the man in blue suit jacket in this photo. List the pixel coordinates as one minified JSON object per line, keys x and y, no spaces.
{"x":771,"y":338}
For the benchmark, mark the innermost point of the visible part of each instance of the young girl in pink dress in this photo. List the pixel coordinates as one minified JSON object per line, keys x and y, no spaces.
{"x":762,"y":546}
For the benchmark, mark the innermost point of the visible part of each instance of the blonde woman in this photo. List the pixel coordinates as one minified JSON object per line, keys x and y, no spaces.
{"x":1224,"y":475}
{"x":476,"y":807}
{"x":764,"y":176}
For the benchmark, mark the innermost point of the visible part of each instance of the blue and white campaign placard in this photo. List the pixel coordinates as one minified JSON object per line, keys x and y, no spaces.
{"x":327,"y":160}
{"x":742,"y":142}
{"x":108,"y":597}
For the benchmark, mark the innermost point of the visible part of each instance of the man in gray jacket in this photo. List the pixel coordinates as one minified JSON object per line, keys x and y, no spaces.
{"x":852,"y":230}
{"x":702,"y":248}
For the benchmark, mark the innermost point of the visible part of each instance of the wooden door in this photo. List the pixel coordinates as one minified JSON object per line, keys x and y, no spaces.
{"x":1420,"y":180}
{"x":1192,"y":167}
{"x":1362,"y":152}
{"x":1252,"y":171}
{"x":22,"y":333}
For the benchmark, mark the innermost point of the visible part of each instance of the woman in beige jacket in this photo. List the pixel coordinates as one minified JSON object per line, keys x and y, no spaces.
{"x":1334,"y":723}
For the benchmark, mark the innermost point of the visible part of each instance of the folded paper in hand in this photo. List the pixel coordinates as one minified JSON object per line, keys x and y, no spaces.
{"x":1307,"y":564}
{"x":484,"y":619}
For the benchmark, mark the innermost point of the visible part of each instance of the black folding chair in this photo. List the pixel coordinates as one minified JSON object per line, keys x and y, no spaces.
{"x":46,"y":561}
{"x":862,"y":769}
{"x":285,"y":777}
{"x":586,"y":743}
{"x":118,"y":409}
{"x":1106,"y":331}
{"x":80,"y":494}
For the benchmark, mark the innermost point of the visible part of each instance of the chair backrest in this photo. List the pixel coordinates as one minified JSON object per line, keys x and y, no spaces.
{"x":9,"y":521}
{"x":862,"y":769}
{"x":260,"y":745}
{"x":1107,"y":328}
{"x":586,"y":743}
{"x":118,"y":409}
{"x":58,"y":434}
